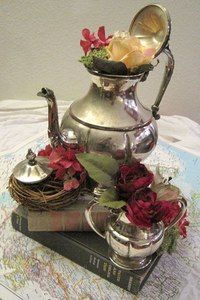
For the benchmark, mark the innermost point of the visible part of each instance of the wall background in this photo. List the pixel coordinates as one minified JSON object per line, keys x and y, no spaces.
{"x":40,"y":47}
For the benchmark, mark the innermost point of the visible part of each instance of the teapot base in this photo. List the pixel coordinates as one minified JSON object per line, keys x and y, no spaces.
{"x":127,"y":263}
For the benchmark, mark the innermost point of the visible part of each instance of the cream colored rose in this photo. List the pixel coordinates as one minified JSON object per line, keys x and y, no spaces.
{"x":129,"y":51}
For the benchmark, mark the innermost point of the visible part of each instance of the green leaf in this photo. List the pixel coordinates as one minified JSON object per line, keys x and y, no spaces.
{"x":101,"y":168}
{"x":108,"y":195}
{"x":109,"y":66}
{"x":114,"y":204}
{"x":109,"y":198}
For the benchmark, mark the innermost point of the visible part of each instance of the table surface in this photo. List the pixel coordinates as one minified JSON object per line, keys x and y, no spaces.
{"x":29,"y":270}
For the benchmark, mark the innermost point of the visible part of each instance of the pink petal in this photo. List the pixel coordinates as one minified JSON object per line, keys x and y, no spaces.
{"x":101,"y":33}
{"x":60,"y":150}
{"x":71,"y":184}
{"x":66,"y":163}
{"x":71,"y":171}
{"x":77,"y":166}
{"x":86,"y":33}
{"x":57,"y":154}
{"x":45,"y":152}
{"x":149,"y":52}
{"x":182,"y":226}
{"x":60,"y":173}
{"x":55,"y":157}
{"x":86,"y":45}
{"x":48,"y":149}
{"x":70,"y":154}
{"x":97,"y":44}
{"x":42,"y":153}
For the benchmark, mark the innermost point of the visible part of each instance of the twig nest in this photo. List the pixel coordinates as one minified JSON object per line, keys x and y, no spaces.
{"x":47,"y":195}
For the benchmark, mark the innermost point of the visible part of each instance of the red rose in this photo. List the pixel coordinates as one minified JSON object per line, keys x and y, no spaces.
{"x":166,"y":211}
{"x":132,"y":178}
{"x":144,"y":209}
{"x":140,"y":210}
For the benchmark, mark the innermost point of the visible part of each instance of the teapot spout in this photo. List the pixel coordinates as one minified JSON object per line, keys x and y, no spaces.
{"x":67,"y":138}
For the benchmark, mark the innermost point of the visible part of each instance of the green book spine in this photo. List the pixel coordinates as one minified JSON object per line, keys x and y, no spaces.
{"x":77,"y":247}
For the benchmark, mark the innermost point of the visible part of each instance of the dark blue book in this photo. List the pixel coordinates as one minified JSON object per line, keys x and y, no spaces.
{"x":88,"y":250}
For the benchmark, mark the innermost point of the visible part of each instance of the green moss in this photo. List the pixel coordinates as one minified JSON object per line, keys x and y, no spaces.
{"x":87,"y":60}
{"x":170,"y":241}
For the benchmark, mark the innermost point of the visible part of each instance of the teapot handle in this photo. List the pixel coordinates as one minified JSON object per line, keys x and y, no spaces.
{"x":88,"y":216}
{"x":169,"y":67}
{"x":181,"y":213}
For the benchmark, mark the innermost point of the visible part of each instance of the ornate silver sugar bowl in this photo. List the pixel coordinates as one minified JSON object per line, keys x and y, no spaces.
{"x":131,"y":247}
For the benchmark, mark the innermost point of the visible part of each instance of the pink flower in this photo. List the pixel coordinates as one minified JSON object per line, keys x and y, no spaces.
{"x":89,"y":40}
{"x":92,"y":42}
{"x":71,"y":184}
{"x":46,"y":151}
{"x":62,"y":160}
{"x":103,"y":40}
{"x":182,"y":226}
{"x":65,"y":164}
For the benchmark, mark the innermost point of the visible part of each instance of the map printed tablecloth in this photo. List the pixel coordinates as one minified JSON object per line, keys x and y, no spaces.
{"x":29,"y":270}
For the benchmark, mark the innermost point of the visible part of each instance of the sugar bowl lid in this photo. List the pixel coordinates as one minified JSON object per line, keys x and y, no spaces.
{"x":152,"y":25}
{"x":33,"y":169}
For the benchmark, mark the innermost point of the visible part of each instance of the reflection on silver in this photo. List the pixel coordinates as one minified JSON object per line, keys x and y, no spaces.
{"x":152,"y":25}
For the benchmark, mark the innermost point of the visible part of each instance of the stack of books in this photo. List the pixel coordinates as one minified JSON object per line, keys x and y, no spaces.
{"x":83,"y":247}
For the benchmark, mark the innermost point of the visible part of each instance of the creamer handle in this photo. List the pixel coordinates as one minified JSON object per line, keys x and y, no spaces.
{"x":183,"y":208}
{"x":88,"y":216}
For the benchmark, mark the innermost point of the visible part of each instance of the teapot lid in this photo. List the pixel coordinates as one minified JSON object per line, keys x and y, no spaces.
{"x":33,"y":169}
{"x":152,"y":26}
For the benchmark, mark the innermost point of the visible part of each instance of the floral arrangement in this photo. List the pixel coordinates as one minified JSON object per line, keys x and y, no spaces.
{"x":130,"y":188}
{"x":66,"y":166}
{"x":135,"y":190}
{"x":119,"y":53}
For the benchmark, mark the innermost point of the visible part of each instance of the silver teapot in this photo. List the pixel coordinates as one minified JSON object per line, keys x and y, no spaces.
{"x":110,"y":119}
{"x":131,"y":247}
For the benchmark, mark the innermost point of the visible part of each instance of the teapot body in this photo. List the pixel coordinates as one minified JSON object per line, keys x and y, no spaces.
{"x":111,"y":120}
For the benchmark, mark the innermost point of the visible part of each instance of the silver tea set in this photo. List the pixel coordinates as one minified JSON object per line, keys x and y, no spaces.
{"x":111,"y":120}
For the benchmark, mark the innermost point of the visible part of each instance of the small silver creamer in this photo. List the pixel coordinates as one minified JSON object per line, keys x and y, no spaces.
{"x":131,"y":247}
